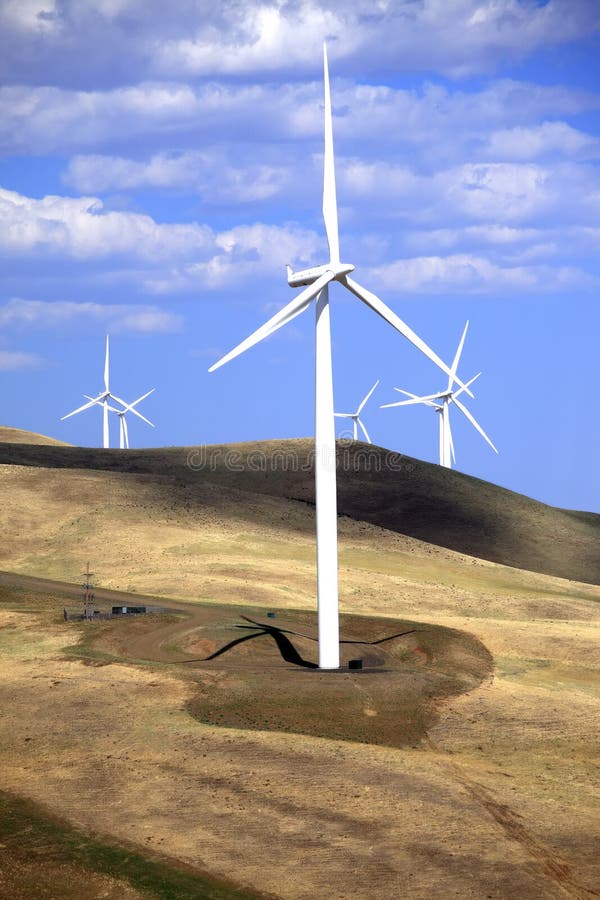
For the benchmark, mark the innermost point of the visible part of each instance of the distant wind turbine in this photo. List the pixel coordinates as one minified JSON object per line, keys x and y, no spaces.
{"x":317,"y":281}
{"x":446,"y":398}
{"x":102,"y":400}
{"x":356,"y":421}
{"x":121,"y":413}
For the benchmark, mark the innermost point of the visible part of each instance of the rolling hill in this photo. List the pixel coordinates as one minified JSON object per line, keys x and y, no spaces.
{"x":407,"y":496}
{"x":462,"y":754}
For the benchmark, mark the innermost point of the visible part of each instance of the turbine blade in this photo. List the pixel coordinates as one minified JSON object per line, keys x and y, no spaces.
{"x":457,"y":357}
{"x":106,"y":367}
{"x":85,"y":406}
{"x":343,"y":415}
{"x":365,"y":432}
{"x":330,"y":213}
{"x":475,"y":424}
{"x":285,"y":315}
{"x":139,"y":399}
{"x":129,"y":408}
{"x":426,"y":401}
{"x":468,"y":384}
{"x":414,"y":399}
{"x":386,"y":313}
{"x":140,"y":416}
{"x":99,"y":402}
{"x":367,"y":398}
{"x":407,"y":393}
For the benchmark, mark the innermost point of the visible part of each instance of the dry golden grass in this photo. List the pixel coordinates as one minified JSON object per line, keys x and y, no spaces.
{"x":19,"y":436}
{"x":501,"y":799}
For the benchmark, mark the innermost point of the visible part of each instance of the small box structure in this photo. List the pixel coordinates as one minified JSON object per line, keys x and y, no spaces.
{"x":128,"y":610}
{"x":90,"y":613}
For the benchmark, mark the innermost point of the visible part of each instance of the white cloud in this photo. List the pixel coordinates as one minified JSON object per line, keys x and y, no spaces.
{"x":36,"y":17}
{"x":206,"y":173}
{"x":15,"y":360}
{"x":245,"y":254}
{"x":497,"y":192}
{"x":123,"y":41}
{"x":474,"y":274}
{"x":168,"y":257}
{"x":266,"y":37}
{"x":79,"y":228}
{"x":493,"y":192}
{"x":444,"y":126}
{"x":143,"y":318}
{"x":541,"y":140}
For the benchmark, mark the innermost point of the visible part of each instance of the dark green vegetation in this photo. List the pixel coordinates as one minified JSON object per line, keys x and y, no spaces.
{"x":402,"y":494}
{"x":42,"y":856}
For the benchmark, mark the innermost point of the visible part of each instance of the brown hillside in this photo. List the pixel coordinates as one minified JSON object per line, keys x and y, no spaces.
{"x":19,"y":436}
{"x":401,"y":494}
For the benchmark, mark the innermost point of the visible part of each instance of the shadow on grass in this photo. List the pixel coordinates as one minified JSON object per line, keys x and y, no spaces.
{"x":33,"y":843}
{"x":284,"y":645}
{"x":288,"y":652}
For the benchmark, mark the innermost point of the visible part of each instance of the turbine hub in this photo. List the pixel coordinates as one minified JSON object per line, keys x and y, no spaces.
{"x":339,"y":269}
{"x":308,"y":276}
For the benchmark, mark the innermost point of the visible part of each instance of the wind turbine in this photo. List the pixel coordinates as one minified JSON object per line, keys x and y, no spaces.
{"x":446,"y":398}
{"x":316,"y":283}
{"x":101,"y":400}
{"x":356,"y":416}
{"x":121,"y":413}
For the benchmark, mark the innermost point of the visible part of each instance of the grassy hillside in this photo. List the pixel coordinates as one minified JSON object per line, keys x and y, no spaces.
{"x":401,"y":494}
{"x":18,"y":436}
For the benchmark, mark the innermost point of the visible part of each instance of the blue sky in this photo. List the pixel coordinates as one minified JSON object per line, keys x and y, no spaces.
{"x":161,"y":163}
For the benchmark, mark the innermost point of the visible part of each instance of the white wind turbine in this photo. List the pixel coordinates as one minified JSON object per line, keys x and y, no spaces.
{"x":102,"y":400}
{"x":356,"y":421}
{"x":317,"y":281}
{"x":121,"y":413}
{"x":446,"y":398}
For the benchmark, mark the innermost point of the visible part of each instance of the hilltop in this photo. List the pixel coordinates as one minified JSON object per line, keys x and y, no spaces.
{"x":403,"y":495}
{"x":19,"y":436}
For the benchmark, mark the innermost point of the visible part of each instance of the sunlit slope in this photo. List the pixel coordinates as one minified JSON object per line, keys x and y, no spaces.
{"x":401,"y":494}
{"x":19,"y":436}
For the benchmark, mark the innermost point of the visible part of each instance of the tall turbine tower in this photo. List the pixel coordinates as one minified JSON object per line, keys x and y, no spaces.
{"x":317,"y":287}
{"x":101,"y":400}
{"x":121,"y":413}
{"x":355,"y":416}
{"x":442,"y":407}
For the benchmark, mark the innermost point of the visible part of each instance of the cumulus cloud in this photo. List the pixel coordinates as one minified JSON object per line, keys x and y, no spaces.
{"x":161,"y":257}
{"x":541,"y":140}
{"x":119,"y":41}
{"x":163,"y":119}
{"x":142,"y":318}
{"x":475,"y":275}
{"x":496,"y":195}
{"x":205,"y":173}
{"x":80,"y":228}
{"x":244,"y":254}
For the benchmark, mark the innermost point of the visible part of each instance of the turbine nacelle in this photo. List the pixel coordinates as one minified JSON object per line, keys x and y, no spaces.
{"x":309,"y":276}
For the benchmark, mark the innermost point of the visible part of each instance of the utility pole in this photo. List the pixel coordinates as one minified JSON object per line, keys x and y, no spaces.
{"x":88,"y":594}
